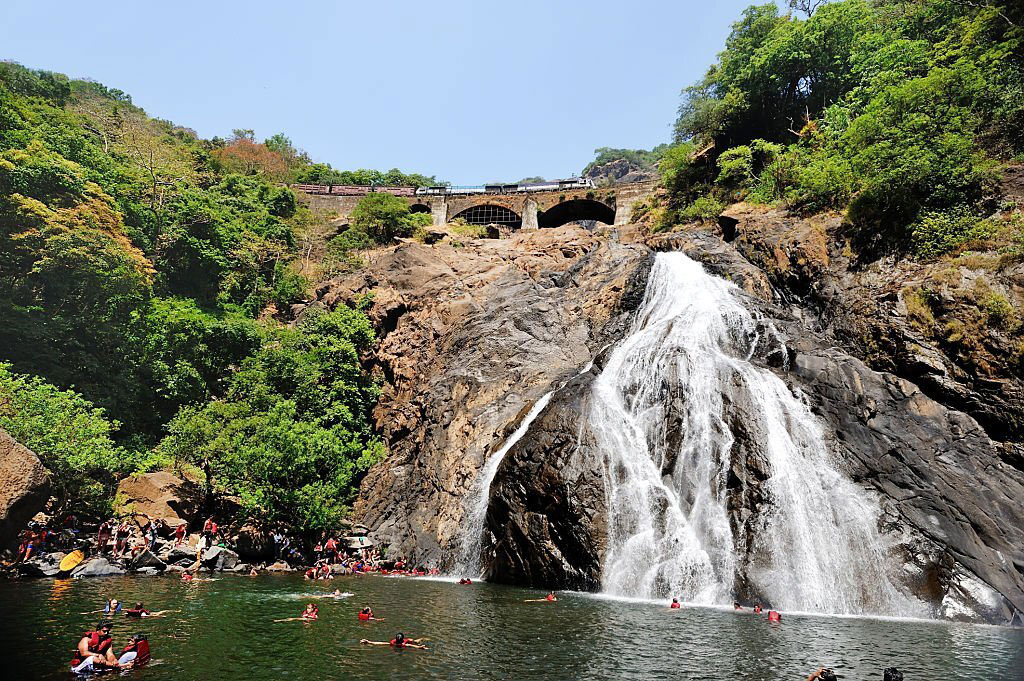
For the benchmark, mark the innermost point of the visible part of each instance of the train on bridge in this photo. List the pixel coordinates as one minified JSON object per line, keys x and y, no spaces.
{"x":446,"y":190}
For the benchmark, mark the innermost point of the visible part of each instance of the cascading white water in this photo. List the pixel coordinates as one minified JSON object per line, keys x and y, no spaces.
{"x":477,"y":500}
{"x":660,"y":414}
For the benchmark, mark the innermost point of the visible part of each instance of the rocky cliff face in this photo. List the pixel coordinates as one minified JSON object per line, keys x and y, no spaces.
{"x":24,"y":487}
{"x":472,"y":337}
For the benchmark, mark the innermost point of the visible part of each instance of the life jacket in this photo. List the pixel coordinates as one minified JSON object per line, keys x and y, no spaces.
{"x":311,"y":615}
{"x":136,"y":613}
{"x":98,"y":645}
{"x":549,"y":597}
{"x":774,"y":616}
{"x":757,"y":609}
{"x":396,"y":644}
{"x":364,"y":616}
{"x":141,"y":649}
{"x":311,"y":573}
{"x":674,"y":605}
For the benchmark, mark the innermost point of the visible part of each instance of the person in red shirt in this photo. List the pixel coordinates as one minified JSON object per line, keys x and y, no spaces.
{"x":179,"y":534}
{"x":675,"y":604}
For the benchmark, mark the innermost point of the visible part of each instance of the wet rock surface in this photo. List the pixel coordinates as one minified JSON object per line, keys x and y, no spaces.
{"x":472,"y":337}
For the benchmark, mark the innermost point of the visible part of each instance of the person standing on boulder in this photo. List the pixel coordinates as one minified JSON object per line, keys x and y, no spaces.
{"x":179,"y":533}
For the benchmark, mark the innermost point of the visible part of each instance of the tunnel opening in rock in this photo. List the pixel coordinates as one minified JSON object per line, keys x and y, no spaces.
{"x":585,"y":211}
{"x":490,"y":214}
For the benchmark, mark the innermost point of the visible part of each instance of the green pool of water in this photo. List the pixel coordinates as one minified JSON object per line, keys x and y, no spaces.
{"x":224,"y":631}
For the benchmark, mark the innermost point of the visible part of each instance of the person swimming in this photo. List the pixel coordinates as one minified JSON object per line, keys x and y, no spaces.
{"x":675,"y":604}
{"x":465,"y":580}
{"x":136,"y":653}
{"x":366,"y":614}
{"x":774,"y":616}
{"x":310,"y":613}
{"x":550,"y":598}
{"x":399,"y":641}
{"x":138,"y":611}
{"x":757,"y":609}
{"x":736,"y":606}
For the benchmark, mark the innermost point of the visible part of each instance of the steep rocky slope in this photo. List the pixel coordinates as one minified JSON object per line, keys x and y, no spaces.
{"x":472,"y":337}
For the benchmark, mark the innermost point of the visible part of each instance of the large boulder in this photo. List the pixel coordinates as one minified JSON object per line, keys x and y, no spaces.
{"x":160,"y":495}
{"x":253,"y":543}
{"x":219,"y":558}
{"x":97,"y":567}
{"x":24,"y":487}
{"x":146,"y":560}
{"x":42,"y":566}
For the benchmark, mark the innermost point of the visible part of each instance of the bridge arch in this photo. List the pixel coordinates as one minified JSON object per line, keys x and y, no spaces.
{"x":576,"y":210}
{"x":489,"y":213}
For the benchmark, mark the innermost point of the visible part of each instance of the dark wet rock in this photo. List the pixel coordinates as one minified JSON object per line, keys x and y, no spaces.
{"x":24,"y":487}
{"x":47,"y":565}
{"x":545,"y":524}
{"x":470,"y":338}
{"x":147,"y":559}
{"x":98,"y":567}
{"x":253,"y":543}
{"x":219,"y":558}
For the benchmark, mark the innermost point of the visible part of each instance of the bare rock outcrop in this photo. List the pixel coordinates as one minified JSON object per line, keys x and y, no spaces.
{"x":160,"y":495}
{"x":24,"y":487}
{"x":471,"y":337}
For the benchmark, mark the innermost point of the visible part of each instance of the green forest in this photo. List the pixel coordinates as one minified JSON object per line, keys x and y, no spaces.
{"x":146,"y":277}
{"x":900,"y":114}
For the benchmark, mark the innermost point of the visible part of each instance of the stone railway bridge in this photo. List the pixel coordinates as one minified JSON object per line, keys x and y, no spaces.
{"x":517,"y":210}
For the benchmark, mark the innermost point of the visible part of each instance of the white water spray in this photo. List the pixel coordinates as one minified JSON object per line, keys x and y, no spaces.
{"x":479,"y":496}
{"x":663,"y":413}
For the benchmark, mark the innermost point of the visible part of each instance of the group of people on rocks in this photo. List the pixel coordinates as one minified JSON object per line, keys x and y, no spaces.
{"x":128,"y":536}
{"x":37,"y":536}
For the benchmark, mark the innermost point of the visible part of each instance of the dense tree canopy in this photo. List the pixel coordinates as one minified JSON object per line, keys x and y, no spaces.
{"x":898,"y":111}
{"x":141,"y":271}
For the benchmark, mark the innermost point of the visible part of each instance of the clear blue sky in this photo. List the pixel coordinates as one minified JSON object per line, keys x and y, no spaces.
{"x":469,"y":90}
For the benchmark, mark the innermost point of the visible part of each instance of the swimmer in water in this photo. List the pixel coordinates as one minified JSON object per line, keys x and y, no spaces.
{"x":311,"y":613}
{"x":550,"y":598}
{"x":675,"y":604}
{"x":367,"y":614}
{"x":399,"y":641}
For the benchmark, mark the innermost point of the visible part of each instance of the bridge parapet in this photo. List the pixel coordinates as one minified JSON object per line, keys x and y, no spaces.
{"x":525,"y":210}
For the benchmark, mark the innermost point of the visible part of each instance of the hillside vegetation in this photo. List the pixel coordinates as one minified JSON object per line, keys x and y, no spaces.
{"x":141,"y":271}
{"x":898,"y":113}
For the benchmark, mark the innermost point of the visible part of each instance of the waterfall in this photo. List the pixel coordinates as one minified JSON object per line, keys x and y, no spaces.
{"x":663,"y":413}
{"x":479,"y":495}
